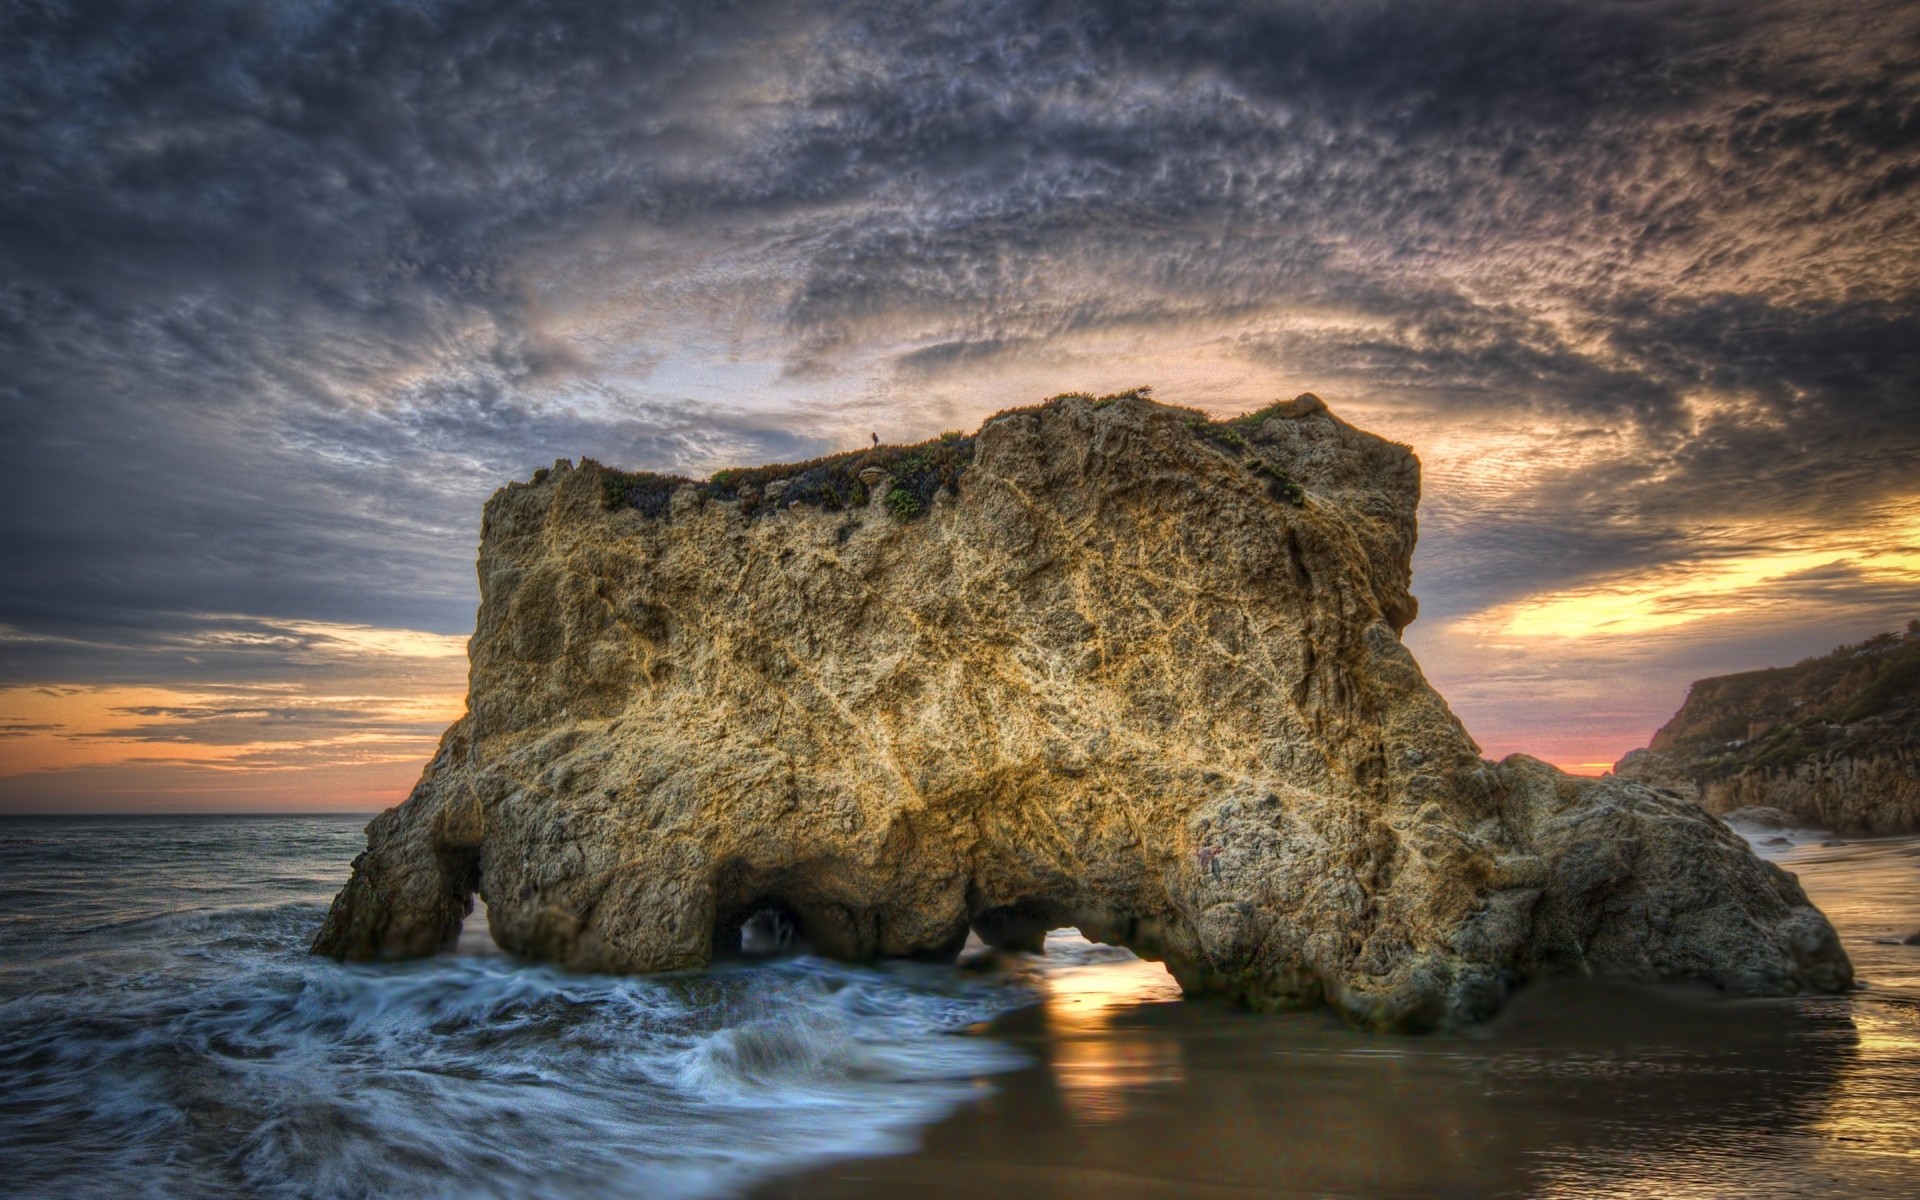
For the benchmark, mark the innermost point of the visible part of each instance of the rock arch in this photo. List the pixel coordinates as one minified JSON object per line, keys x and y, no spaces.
{"x":1127,"y":669}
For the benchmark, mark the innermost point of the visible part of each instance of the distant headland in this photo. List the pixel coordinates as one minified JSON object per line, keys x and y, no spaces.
{"x":1832,"y":742}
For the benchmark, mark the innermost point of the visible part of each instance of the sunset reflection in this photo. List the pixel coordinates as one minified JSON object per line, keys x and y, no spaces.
{"x":1863,"y":1117}
{"x":1098,"y":1061}
{"x":1853,"y":1063}
{"x":1867,"y":888}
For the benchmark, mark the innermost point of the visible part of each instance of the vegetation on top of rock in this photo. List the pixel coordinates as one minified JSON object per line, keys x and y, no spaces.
{"x":913,"y":474}
{"x":1280,"y":484}
{"x":916,"y":473}
{"x":904,"y":504}
{"x":1231,"y":435}
{"x":1855,"y":682}
{"x":1896,"y":680}
{"x":1834,"y":739}
{"x":647,"y":491}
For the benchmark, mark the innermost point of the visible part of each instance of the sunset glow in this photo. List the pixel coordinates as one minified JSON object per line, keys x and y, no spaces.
{"x":348,"y":724}
{"x":1655,"y":346}
{"x":583,"y":583}
{"x":1687,"y":590}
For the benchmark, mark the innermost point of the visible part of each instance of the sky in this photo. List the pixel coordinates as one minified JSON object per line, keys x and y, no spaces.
{"x":287,"y":290}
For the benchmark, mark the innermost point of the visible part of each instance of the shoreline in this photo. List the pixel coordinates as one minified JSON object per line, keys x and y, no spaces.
{"x":1579,"y":1086}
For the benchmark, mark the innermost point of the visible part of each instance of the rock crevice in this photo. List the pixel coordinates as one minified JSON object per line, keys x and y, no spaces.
{"x":1126,"y":669}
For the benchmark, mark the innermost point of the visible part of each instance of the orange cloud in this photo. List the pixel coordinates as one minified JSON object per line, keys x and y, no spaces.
{"x":1688,"y":590}
{"x":360,"y":728}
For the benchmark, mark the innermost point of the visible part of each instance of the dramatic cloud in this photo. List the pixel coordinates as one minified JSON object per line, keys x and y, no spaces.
{"x":287,"y":289}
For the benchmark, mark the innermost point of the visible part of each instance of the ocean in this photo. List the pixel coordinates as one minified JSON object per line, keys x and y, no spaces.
{"x":163,"y":1033}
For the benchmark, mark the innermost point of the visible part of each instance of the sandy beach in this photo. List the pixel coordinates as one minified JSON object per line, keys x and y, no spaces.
{"x":1579,"y":1089}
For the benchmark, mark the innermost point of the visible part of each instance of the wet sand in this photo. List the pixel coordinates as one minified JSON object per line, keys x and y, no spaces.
{"x":1579,"y":1089}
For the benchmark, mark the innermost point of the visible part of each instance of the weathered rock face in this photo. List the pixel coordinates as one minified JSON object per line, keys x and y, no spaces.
{"x":1120,"y":679}
{"x":1834,"y":741}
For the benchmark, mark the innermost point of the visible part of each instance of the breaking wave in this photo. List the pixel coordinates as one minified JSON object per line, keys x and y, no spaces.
{"x":203,"y":1053}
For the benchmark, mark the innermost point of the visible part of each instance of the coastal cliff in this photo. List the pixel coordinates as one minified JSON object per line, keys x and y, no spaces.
{"x":1833,"y":742}
{"x":1105,"y":663}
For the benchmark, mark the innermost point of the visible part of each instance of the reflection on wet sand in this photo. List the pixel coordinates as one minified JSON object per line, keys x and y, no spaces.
{"x":1875,"y":1111}
{"x":1578,"y":1089}
{"x":1871,"y":890}
{"x":1858,"y":1060}
{"x":1096,"y":1066}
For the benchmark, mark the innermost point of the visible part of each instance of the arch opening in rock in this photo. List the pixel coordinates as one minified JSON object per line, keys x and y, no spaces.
{"x":1088,"y":981}
{"x":770,"y":929}
{"x":1027,"y":924}
{"x":459,"y":886}
{"x":475,"y":933}
{"x":1021,"y":926}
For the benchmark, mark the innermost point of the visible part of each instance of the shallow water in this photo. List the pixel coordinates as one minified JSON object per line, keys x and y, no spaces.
{"x":163,"y":1033}
{"x":1579,"y":1089}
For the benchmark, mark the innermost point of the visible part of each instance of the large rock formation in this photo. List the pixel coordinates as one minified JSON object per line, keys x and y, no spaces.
{"x":1834,"y":741}
{"x":1107,"y":664}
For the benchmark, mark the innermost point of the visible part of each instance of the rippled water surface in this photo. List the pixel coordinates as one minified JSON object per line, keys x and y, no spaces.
{"x":163,"y":1033}
{"x":1579,"y":1089}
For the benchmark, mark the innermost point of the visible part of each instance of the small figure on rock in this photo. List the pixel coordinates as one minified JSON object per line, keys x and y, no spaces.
{"x":876,"y":439}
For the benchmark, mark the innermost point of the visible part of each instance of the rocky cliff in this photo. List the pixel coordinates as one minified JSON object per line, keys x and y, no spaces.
{"x":1105,"y":664}
{"x":1834,"y":741}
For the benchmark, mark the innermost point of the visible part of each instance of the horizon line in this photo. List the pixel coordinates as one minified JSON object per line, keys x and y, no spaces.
{"x":372,"y":812}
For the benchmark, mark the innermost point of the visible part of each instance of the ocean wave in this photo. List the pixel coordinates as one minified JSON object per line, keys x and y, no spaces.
{"x":1772,"y":834}
{"x":205,"y":1054}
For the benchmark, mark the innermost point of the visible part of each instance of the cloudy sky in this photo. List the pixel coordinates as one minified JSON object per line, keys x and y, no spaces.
{"x":286,"y":290}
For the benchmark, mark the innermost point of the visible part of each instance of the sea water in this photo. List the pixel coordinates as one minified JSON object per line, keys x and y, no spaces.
{"x":1579,"y":1088}
{"x":163,"y":1033}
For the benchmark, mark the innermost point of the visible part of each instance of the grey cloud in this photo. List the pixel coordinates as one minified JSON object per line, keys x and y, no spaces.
{"x":209,"y":712}
{"x":273,"y":324}
{"x":104,"y":644}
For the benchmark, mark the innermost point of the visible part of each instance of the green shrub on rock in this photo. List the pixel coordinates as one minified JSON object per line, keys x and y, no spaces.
{"x":905,"y":504}
{"x":831,"y":483}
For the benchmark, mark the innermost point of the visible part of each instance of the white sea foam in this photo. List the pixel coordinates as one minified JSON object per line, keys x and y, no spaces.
{"x":473,"y":1077}
{"x":205,"y":1054}
{"x":1772,"y":833}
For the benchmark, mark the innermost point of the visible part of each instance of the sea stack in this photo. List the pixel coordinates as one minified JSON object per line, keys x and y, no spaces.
{"x":1105,"y":663}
